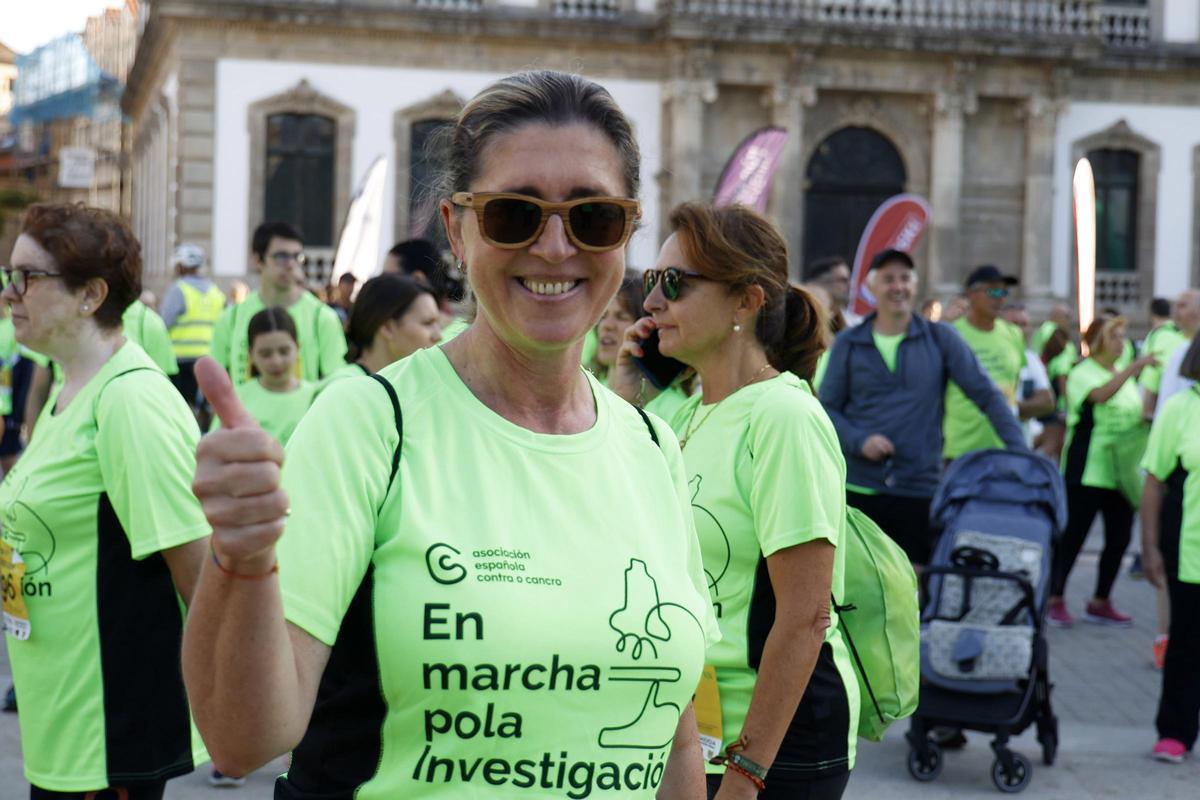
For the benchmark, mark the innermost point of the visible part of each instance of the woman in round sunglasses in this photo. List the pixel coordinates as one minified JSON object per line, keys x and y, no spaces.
{"x":779,"y":705}
{"x":448,"y":614}
{"x":102,"y":536}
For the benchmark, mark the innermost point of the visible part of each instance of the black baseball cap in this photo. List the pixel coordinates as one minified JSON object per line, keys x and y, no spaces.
{"x":989,"y":274}
{"x":891,"y":257}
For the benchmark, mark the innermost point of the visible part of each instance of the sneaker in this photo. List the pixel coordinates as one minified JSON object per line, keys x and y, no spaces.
{"x":224,"y":781}
{"x":1160,"y":650}
{"x":1169,"y":751}
{"x":1101,"y":612}
{"x":1057,"y":614}
{"x":1135,"y":569}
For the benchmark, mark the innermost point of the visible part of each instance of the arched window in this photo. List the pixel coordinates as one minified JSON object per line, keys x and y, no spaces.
{"x":1117,"y":172}
{"x":849,"y":175}
{"x":300,"y":174}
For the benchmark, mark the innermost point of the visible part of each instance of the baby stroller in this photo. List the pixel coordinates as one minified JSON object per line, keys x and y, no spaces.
{"x":983,"y":650}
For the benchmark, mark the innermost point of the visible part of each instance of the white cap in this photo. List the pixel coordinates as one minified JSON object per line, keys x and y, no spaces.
{"x":190,"y":256}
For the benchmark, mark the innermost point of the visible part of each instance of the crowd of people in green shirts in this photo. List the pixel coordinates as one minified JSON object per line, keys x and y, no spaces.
{"x":479,"y":569}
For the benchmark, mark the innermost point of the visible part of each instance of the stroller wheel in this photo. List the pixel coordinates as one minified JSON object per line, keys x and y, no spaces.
{"x":1011,"y":782}
{"x":926,"y":766}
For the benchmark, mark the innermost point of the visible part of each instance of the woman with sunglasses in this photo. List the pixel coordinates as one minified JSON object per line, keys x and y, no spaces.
{"x":393,"y":317}
{"x":101,"y":533}
{"x":623,"y":377}
{"x":768,"y":494}
{"x":446,"y":614}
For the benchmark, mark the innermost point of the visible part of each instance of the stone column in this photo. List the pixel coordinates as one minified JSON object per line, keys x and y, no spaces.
{"x":945,"y":199}
{"x":1041,"y":123}
{"x":196,"y":132}
{"x":787,"y":106}
{"x":683,"y":143}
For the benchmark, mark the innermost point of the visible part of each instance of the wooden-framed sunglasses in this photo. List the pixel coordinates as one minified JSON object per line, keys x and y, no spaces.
{"x":512,"y":221}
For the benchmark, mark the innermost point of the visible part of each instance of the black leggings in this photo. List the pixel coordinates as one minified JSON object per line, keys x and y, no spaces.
{"x":816,"y":789}
{"x":1179,"y":704}
{"x":1083,"y":502}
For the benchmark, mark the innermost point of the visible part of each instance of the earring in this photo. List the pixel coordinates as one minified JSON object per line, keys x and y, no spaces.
{"x":84,"y":309}
{"x":737,"y":327}
{"x":461,"y":267}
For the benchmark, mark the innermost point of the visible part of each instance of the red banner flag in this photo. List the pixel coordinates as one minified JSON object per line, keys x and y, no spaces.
{"x":898,"y":224}
{"x":747,"y":177}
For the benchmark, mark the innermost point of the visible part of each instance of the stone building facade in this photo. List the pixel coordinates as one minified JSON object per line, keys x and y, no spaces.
{"x":982,"y":106}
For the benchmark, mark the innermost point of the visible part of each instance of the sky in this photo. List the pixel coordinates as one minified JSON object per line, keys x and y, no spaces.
{"x":27,"y":25}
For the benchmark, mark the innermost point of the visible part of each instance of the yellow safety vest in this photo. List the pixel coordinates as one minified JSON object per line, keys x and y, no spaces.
{"x":192,"y":333}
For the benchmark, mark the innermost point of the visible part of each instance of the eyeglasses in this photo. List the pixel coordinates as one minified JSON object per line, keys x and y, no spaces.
{"x":18,"y":278}
{"x":512,"y":221}
{"x":673,"y":281}
{"x":282,"y":259}
{"x":997,"y":292}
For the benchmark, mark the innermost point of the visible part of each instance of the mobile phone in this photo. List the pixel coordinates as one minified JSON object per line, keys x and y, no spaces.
{"x":660,"y":370}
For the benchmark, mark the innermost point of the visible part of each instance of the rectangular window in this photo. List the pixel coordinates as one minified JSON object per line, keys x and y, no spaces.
{"x":426,"y":159}
{"x":299,"y":174}
{"x":1116,"y":174}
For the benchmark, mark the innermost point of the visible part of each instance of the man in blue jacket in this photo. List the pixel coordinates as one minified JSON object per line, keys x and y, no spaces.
{"x":883,"y":389}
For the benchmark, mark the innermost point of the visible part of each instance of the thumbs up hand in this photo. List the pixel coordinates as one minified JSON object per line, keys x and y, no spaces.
{"x":237,"y":479}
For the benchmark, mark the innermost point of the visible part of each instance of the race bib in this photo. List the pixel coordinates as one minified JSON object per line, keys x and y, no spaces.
{"x":12,"y":573}
{"x":708,"y":713}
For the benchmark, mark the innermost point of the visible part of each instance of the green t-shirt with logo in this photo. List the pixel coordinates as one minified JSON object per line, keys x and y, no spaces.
{"x":318,"y":330}
{"x":144,"y":326}
{"x":1174,"y":444}
{"x":1105,"y":441}
{"x":888,"y":347}
{"x":277,"y":412}
{"x":103,"y":487}
{"x":1002,"y":353}
{"x":667,"y":402}
{"x":1160,"y":343}
{"x":766,"y":472}
{"x":519,"y":615}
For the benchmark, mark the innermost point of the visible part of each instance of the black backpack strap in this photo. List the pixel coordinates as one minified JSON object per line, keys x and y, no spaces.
{"x":391,"y":390}
{"x":649,"y":425}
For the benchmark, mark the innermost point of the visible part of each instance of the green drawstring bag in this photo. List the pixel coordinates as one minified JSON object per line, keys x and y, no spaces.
{"x":880,"y":618}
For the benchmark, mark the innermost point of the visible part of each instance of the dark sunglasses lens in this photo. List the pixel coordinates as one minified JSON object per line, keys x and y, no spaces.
{"x":649,"y":279}
{"x":510,"y":221}
{"x":598,"y":224}
{"x":672,"y":282}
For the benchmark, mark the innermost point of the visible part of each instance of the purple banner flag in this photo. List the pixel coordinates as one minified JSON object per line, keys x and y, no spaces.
{"x":748,"y":175}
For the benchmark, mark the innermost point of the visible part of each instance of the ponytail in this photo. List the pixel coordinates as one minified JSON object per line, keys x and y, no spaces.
{"x":795,"y":333}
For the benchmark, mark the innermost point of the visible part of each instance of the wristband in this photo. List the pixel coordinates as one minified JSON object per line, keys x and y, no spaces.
{"x":237,"y":575}
{"x":758,"y":782}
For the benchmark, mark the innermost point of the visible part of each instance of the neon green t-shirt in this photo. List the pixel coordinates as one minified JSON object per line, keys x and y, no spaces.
{"x":888,"y":347}
{"x":667,"y":402}
{"x":1002,"y":353}
{"x":531,"y":606}
{"x":766,"y":473}
{"x":1174,"y":444}
{"x":9,"y":353}
{"x":318,"y":330}
{"x":454,"y":329}
{"x":1037,"y":342}
{"x":277,"y":412}
{"x":1105,"y":442}
{"x":144,"y":326}
{"x":1160,"y":343}
{"x":350,"y":370}
{"x":104,"y":486}
{"x":822,"y":366}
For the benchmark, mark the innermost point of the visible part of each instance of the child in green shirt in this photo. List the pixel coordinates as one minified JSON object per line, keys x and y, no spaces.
{"x":276,"y":396}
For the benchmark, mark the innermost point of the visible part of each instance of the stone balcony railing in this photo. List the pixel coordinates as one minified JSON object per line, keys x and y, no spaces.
{"x":1110,"y":22}
{"x":587,"y":9}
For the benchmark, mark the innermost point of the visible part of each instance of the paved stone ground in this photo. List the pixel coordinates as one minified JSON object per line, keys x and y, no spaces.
{"x":1106,"y":694}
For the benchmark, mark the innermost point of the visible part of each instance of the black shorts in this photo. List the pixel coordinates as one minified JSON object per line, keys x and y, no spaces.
{"x":185,"y":382}
{"x":904,"y":519}
{"x":133,"y":791}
